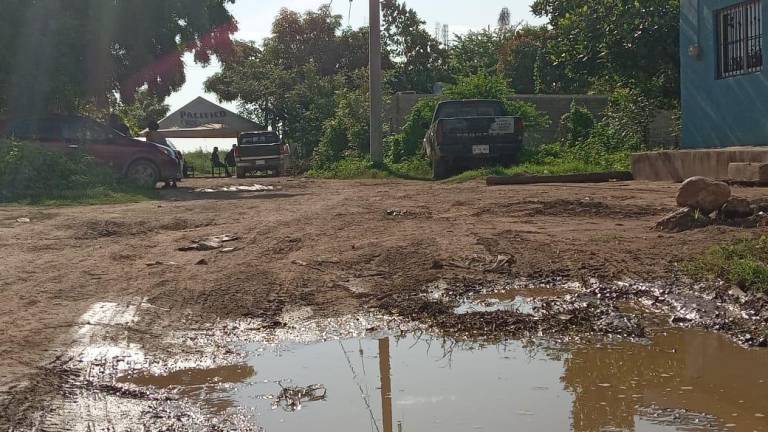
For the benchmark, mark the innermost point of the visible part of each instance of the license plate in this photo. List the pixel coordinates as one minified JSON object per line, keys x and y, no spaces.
{"x":259,"y":162}
{"x":481,"y":149}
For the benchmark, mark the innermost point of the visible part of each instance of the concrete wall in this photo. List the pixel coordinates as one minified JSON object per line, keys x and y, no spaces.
{"x":554,"y":106}
{"x":718,"y":112}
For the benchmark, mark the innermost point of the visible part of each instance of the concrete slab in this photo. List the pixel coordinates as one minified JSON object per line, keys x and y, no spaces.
{"x":679,"y":165}
{"x":748,"y":172}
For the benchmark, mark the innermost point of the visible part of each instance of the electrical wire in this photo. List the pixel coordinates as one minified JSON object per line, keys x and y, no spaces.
{"x":362,"y":392}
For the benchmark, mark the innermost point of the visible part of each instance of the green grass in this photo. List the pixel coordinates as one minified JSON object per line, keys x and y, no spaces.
{"x":362,"y":168}
{"x":201,"y":160}
{"x":32,"y":175}
{"x":743,"y":263}
{"x":420,"y":169}
{"x":552,"y":168}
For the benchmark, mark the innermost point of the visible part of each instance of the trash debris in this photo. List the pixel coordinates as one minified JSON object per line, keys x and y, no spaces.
{"x":291,"y":399}
{"x":228,"y":250}
{"x":23,"y":220}
{"x":209,"y":243}
{"x":160,"y":263}
{"x":253,"y":188}
{"x":396,"y":212}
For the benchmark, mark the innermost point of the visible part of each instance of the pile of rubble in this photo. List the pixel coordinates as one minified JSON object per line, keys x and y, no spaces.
{"x":704,"y":202}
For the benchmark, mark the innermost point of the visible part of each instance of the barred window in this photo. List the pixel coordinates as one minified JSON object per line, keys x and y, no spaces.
{"x":740,"y":39}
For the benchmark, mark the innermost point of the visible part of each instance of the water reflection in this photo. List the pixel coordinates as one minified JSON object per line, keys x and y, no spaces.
{"x":682,"y":369}
{"x":424,"y":384}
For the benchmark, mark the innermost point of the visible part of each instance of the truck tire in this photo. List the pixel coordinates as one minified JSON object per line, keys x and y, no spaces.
{"x":144,"y":173}
{"x":241,"y":173}
{"x":440,"y":169}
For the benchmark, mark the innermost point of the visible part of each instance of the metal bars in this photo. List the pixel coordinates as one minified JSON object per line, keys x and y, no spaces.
{"x":740,"y":39}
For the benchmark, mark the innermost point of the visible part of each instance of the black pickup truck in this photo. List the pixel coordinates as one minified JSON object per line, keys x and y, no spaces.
{"x":466,"y":134}
{"x":261,"y":151}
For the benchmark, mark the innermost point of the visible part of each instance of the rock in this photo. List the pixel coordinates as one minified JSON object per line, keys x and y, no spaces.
{"x":208,"y":245}
{"x":703,"y":194}
{"x":23,"y":220}
{"x":683,"y":220}
{"x":759,"y":205}
{"x":202,"y":262}
{"x":737,"y":208}
{"x":737,"y":292}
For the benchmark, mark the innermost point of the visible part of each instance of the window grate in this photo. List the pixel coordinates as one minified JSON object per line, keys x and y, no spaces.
{"x":740,"y":39}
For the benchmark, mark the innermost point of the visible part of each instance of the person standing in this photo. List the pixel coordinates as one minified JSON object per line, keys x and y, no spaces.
{"x":154,"y":135}
{"x":217,"y":163}
{"x":230,"y":158}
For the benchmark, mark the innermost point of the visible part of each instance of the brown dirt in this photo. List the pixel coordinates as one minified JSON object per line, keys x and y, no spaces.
{"x":337,"y":246}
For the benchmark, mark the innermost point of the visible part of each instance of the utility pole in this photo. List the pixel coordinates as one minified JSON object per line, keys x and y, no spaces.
{"x":386,"y":384}
{"x":375,"y":75}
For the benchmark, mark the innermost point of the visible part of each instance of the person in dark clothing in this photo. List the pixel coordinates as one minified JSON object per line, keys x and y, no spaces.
{"x":229,"y":159}
{"x":116,"y":123}
{"x":154,"y":135}
{"x":217,"y":163}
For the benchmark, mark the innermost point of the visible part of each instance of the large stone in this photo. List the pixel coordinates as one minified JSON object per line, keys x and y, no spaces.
{"x":703,"y":194}
{"x":737,"y":208}
{"x":683,"y":220}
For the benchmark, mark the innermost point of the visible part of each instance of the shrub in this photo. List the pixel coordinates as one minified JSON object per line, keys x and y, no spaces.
{"x":576,"y":125}
{"x":29,"y":173}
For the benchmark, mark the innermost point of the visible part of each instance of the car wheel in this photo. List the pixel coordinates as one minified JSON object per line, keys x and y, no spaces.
{"x":144,"y":173}
{"x":440,"y":169}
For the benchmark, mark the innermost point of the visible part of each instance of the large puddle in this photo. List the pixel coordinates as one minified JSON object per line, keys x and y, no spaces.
{"x":684,"y":380}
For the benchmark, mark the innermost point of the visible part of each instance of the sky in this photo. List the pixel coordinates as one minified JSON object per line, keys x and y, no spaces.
{"x":255,"y":20}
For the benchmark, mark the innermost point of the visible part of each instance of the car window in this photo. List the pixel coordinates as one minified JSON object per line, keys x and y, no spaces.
{"x":477,"y":109}
{"x":260,"y":138}
{"x":81,"y":130}
{"x":36,"y":129}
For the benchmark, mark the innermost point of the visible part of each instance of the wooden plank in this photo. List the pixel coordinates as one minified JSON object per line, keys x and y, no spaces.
{"x":602,"y":177}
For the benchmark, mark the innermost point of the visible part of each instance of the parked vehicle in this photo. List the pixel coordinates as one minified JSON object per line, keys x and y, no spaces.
{"x":143,"y":162}
{"x":470,"y":133}
{"x":179,"y":157}
{"x":261,"y":151}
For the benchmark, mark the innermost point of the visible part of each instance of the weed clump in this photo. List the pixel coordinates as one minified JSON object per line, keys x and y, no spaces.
{"x":743,"y":263}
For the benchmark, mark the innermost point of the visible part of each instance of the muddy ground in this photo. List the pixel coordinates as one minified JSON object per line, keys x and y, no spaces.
{"x":405,"y":249}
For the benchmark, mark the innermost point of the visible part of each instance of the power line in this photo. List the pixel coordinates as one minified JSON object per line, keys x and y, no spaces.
{"x":360,"y":387}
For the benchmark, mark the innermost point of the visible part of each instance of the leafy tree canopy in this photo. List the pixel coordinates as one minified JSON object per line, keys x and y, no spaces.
{"x":61,"y":55}
{"x":617,"y":43}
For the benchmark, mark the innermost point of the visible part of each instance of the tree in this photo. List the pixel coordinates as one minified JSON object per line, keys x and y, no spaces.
{"x":62,"y":55}
{"x":290,"y":82}
{"x":523,"y":59}
{"x":419,"y":59}
{"x":474,"y":52}
{"x":145,"y":107}
{"x":617,"y":43}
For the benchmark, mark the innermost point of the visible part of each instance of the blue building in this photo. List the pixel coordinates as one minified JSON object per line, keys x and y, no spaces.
{"x":723,"y":76}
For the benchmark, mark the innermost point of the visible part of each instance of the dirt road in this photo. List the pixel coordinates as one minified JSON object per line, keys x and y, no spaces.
{"x":335,"y":246}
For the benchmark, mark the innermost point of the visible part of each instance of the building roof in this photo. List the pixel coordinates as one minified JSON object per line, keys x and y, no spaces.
{"x":202,"y":118}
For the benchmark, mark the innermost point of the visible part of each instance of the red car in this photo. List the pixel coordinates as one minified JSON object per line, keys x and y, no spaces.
{"x":143,"y":162}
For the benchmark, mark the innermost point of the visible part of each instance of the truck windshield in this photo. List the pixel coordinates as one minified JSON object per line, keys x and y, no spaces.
{"x":260,"y":138}
{"x":470,"y":109}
